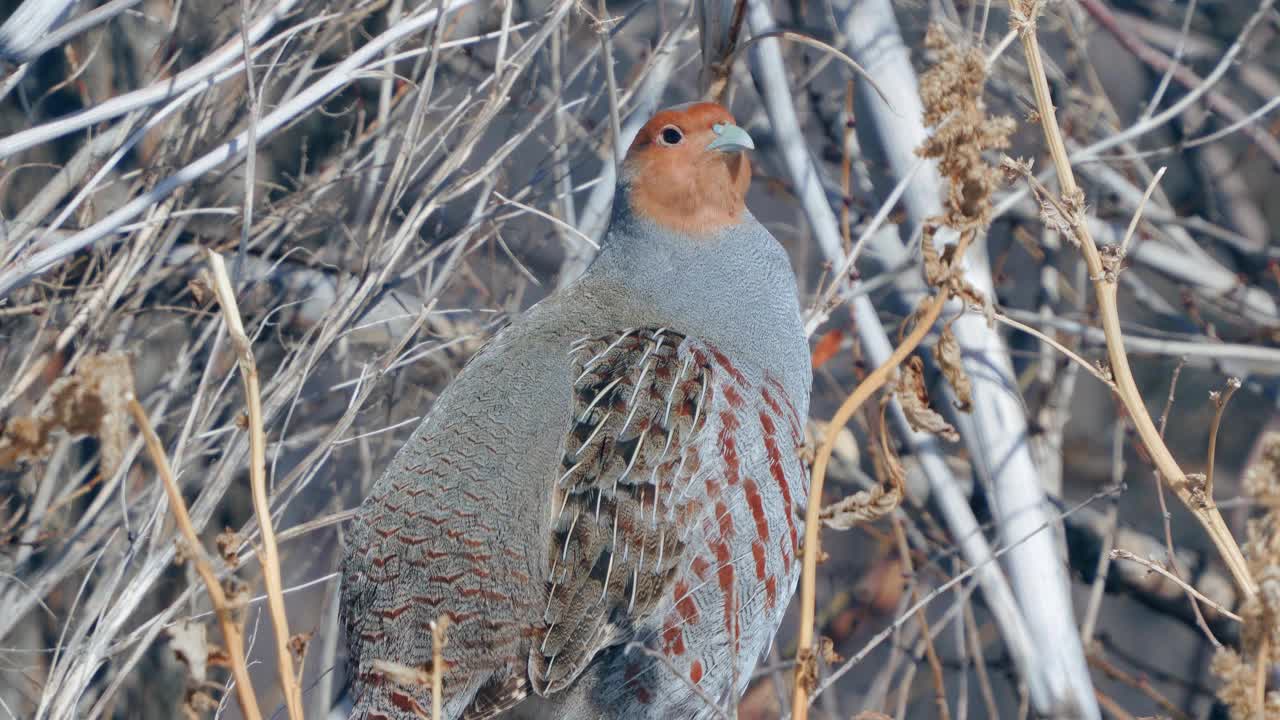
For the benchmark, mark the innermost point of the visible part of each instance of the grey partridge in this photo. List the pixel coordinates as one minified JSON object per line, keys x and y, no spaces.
{"x":605,"y":502}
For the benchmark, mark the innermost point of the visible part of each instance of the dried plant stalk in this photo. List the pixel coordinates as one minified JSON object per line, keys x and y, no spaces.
{"x":258,"y":481}
{"x":1104,"y":277}
{"x":231,"y":634}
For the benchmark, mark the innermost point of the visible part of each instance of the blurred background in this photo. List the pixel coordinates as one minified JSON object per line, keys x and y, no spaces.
{"x":388,"y":187}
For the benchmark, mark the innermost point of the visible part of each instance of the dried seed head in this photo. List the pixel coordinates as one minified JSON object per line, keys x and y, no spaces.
{"x":952,"y":95}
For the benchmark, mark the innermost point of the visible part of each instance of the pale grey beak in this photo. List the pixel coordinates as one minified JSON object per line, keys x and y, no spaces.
{"x":730,"y":138}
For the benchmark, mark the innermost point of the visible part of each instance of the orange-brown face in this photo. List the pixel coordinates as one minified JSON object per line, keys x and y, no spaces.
{"x":688,"y":171}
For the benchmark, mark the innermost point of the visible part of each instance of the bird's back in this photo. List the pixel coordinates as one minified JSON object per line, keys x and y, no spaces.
{"x":453,"y":529}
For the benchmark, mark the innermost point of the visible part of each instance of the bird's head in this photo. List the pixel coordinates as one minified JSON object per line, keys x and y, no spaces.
{"x":687,"y":170}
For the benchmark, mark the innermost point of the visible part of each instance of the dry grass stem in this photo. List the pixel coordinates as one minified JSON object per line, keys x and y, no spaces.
{"x":1139,"y":683}
{"x":1066,"y":351}
{"x":931,"y":652}
{"x":258,"y":481}
{"x":719,"y":28}
{"x":817,"y":45}
{"x":231,"y":634}
{"x":1119,"y":554}
{"x":1220,"y":398}
{"x":550,"y":218}
{"x":611,"y":84}
{"x":1137,"y":213}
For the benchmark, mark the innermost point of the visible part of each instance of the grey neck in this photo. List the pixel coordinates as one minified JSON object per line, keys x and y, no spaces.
{"x":734,"y":289}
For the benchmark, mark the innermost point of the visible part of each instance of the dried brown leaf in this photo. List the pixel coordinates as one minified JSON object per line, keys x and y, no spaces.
{"x":298,"y":644}
{"x":887,"y":465}
{"x":24,"y":438}
{"x":200,"y":290}
{"x":914,"y":398}
{"x":93,"y":401}
{"x":827,"y":347}
{"x":947,"y":354}
{"x":879,"y":501}
{"x":860,"y":507}
{"x":228,"y":543}
{"x":970,"y":294}
{"x":109,"y":377}
{"x":198,"y":704}
{"x":933,"y":268}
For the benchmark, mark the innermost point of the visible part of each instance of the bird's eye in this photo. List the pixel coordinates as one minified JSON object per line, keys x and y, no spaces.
{"x":671,"y":135}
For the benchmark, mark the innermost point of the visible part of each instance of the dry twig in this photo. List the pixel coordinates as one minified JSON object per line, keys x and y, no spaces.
{"x":258,"y":481}
{"x":1119,"y":554}
{"x":231,"y":634}
{"x":1104,"y":276}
